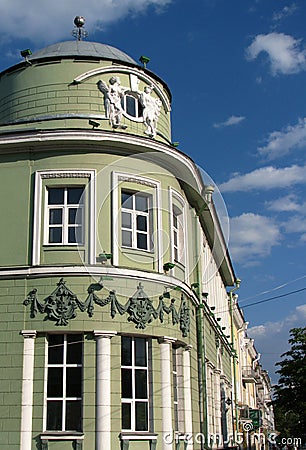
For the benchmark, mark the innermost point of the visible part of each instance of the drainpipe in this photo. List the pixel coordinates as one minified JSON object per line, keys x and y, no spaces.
{"x":234,"y":354}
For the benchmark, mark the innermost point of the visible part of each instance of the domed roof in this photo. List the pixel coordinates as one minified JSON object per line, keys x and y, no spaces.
{"x":82,"y":49}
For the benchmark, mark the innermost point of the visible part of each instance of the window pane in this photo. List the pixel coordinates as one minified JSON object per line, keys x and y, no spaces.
{"x":55,"y":348}
{"x":141,"y":203}
{"x":131,"y":105}
{"x":56,"y":196}
{"x":55,"y":382}
{"x":127,"y":200}
{"x":126,"y":351}
{"x":142,"y":241}
{"x":126,"y":416}
{"x":54,"y":415}
{"x":126,"y":383}
{"x":74,"y":195}
{"x":141,"y":416}
{"x":140,"y":352}
{"x":55,"y":235}
{"x":74,"y":348}
{"x":174,"y":220}
{"x":141,"y":223}
{"x":55,"y":216}
{"x":126,"y":220}
{"x":127,"y":238}
{"x":73,"y":415}
{"x":75,"y":216}
{"x":74,"y":382}
{"x":141,"y":383}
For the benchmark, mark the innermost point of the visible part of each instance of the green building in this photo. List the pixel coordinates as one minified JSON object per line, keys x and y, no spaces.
{"x":113,"y":266}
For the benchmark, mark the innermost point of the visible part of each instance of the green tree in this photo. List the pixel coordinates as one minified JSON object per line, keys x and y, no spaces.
{"x":290,"y":394}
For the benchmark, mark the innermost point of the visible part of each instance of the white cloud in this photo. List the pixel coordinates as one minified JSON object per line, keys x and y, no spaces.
{"x":280,"y":143}
{"x":287,"y":203}
{"x":285,"y":53}
{"x":252,"y":237}
{"x":45,"y":21}
{"x":285,"y":12}
{"x":266,"y":178}
{"x":232,"y":120}
{"x":271,"y":338}
{"x":296,"y":224}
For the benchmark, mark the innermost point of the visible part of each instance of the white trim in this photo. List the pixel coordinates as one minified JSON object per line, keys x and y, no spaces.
{"x":122,"y":177}
{"x":90,"y":210}
{"x":187,"y":394}
{"x":27,"y":389}
{"x":128,"y":70}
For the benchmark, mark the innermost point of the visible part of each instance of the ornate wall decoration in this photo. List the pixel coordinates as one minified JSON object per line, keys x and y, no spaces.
{"x":114,"y":95}
{"x":62,"y":305}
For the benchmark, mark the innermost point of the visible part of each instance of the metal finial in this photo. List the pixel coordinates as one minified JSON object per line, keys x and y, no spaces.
{"x":78,"y":31}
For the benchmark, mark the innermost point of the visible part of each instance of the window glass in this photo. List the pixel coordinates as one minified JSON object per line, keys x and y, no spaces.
{"x":127,"y":238}
{"x":134,"y":384}
{"x":127,"y":200}
{"x":55,"y":382}
{"x":126,"y":416}
{"x":126,"y":220}
{"x":142,"y":241}
{"x":140,"y":352}
{"x":74,"y":195}
{"x":141,"y":203}
{"x":142,"y":223}
{"x":56,"y":196}
{"x":65,"y":223}
{"x":55,"y":348}
{"x":126,"y":351}
{"x":64,"y":382}
{"x":54,"y":415}
{"x":141,"y":416}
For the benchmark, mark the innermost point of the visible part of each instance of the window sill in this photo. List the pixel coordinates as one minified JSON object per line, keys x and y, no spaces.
{"x":61,"y":435}
{"x":138,"y":436}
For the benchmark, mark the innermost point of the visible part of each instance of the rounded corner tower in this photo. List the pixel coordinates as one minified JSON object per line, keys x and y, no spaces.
{"x":107,"y":242}
{"x":66,"y":84}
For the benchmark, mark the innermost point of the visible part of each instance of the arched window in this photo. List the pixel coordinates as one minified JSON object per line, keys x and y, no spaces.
{"x":131,"y":105}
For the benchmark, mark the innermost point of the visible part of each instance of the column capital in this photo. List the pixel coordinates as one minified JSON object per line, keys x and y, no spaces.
{"x":166,"y":340}
{"x":104,"y":334}
{"x":29,"y":334}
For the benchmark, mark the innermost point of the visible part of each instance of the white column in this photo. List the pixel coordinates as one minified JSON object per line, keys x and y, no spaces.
{"x":187,"y":394}
{"x":217,"y":390}
{"x":103,"y":388}
{"x":27,"y":389}
{"x":166,"y":391}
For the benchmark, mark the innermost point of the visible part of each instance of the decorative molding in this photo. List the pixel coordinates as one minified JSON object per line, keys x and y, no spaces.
{"x":29,"y":334}
{"x":62,"y":304}
{"x":66,"y":175}
{"x":137,"y":180}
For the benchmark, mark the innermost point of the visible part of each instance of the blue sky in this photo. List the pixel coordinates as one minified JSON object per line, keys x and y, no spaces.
{"x":236,"y":70}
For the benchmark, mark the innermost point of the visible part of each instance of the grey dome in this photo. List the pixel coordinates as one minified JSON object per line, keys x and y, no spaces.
{"x":82,"y":49}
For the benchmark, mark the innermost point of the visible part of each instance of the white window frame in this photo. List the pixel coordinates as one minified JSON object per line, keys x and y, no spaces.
{"x":120,"y":181}
{"x":137,"y":117}
{"x":134,"y":213}
{"x":132,"y":401}
{"x":177,"y":201}
{"x":64,"y":398}
{"x":64,"y":225}
{"x":90,"y":208}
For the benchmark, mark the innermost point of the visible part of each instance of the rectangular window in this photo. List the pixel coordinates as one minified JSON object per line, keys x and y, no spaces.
{"x":178,"y":243}
{"x":65,"y":215}
{"x":134,"y":384}
{"x":64,"y":382}
{"x":135,"y":220}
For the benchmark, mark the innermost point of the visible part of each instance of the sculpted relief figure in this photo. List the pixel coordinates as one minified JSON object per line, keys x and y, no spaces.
{"x":112,"y":100}
{"x":113,"y":95}
{"x":151,"y":110}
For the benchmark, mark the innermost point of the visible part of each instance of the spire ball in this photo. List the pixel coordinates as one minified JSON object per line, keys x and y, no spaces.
{"x":79,"y":21}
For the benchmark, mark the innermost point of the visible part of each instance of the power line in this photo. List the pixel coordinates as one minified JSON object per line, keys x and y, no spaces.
{"x":273,"y":298}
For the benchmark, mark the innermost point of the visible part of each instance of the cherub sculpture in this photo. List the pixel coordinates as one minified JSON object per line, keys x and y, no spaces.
{"x":112,"y":100}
